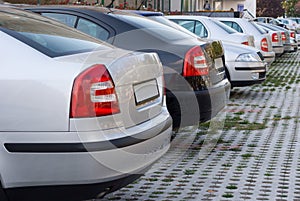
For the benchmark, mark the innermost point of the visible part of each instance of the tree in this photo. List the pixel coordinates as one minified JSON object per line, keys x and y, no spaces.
{"x":269,"y":8}
{"x":297,"y":9}
{"x":289,"y":7}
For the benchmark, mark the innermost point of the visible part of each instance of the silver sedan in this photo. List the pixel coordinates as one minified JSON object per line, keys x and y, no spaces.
{"x":209,"y":28}
{"x":276,"y":38}
{"x":79,"y":118}
{"x":244,"y":64}
{"x":262,"y":40}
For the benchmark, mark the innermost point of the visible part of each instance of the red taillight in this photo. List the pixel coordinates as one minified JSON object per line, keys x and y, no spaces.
{"x":93,"y":94}
{"x":245,"y":43}
{"x":274,"y":37}
{"x":195,"y":63}
{"x":283,"y":36}
{"x":264,"y":45}
{"x":292,"y":34}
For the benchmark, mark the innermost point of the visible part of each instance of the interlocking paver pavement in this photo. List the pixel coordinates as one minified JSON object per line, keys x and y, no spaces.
{"x":252,"y":152}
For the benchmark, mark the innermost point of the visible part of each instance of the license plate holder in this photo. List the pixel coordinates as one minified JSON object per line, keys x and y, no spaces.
{"x":218,"y":63}
{"x":145,"y":91}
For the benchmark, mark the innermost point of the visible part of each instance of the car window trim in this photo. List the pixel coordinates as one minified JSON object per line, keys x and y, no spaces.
{"x":78,"y":14}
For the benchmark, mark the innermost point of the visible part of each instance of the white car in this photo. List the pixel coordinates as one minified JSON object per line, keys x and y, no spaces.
{"x":288,"y":37}
{"x":262,"y":40}
{"x":244,"y":64}
{"x":205,"y":27}
{"x":297,"y":21}
{"x":79,"y":118}
{"x":276,"y":38}
{"x":290,"y":24}
{"x":292,"y":37}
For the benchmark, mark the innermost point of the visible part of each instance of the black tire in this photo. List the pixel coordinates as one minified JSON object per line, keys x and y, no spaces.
{"x":174,"y":110}
{"x":3,"y":196}
{"x":228,"y":77}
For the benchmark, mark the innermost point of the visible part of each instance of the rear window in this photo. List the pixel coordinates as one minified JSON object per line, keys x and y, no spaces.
{"x":154,"y":28}
{"x":165,"y":21}
{"x":223,"y":26}
{"x":268,"y":27}
{"x":260,"y":30}
{"x":47,"y":37}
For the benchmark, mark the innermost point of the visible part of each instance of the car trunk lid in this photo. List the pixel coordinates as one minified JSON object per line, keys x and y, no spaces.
{"x":138,"y":83}
{"x":215,"y":55}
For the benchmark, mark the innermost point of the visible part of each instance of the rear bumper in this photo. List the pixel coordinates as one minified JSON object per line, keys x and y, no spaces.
{"x":295,"y":47}
{"x":269,"y":57}
{"x":199,"y":105}
{"x":219,"y":97}
{"x":67,"y":192}
{"x":288,"y":47}
{"x":59,"y":160}
{"x":278,"y":50}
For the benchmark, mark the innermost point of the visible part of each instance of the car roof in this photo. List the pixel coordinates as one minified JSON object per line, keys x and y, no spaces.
{"x":189,"y":16}
{"x":234,"y":19}
{"x":98,"y":9}
{"x":145,"y":13}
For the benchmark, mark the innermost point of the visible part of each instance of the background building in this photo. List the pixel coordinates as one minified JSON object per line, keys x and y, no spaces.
{"x":188,"y":5}
{"x":216,"y":5}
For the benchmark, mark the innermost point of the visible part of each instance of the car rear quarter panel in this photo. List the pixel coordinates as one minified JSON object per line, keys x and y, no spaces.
{"x":35,"y":89}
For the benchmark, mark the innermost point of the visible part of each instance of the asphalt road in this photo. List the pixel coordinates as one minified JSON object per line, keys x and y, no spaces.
{"x":251,"y":151}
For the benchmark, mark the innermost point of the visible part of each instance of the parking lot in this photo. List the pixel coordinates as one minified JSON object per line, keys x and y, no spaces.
{"x":250,"y":152}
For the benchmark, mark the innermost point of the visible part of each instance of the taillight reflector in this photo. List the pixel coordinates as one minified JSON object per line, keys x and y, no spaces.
{"x":292,"y":34}
{"x":275,"y":37}
{"x":195,"y":63}
{"x":93,"y":94}
{"x":264,"y":45}
{"x":283,"y":36}
{"x":245,"y":43}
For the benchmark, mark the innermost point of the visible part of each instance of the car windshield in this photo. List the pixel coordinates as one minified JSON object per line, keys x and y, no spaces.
{"x":45,"y":36}
{"x":223,"y":26}
{"x":154,"y":28}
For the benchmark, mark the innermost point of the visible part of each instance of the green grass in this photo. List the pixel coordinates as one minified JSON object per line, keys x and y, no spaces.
{"x":251,"y":145}
{"x":167,"y":180}
{"x":227,"y":195}
{"x":189,"y":172}
{"x":231,"y":187}
{"x":246,"y":156}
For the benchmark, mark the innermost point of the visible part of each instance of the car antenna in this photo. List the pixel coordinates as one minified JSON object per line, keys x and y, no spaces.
{"x":142,"y":3}
{"x":111,"y":4}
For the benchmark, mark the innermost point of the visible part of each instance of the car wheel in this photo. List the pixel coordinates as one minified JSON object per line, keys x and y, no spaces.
{"x":3,"y":196}
{"x":174,"y":110}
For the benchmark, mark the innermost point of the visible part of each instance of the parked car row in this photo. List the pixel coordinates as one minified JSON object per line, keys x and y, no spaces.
{"x":95,"y":93}
{"x":77,"y":120}
{"x":82,"y":118}
{"x":200,"y":63}
{"x":244,"y":65}
{"x":291,"y":23}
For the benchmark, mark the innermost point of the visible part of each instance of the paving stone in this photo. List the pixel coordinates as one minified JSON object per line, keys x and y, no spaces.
{"x":255,"y":158}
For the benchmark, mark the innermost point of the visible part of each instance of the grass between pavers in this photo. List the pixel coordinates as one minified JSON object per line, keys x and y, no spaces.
{"x":236,"y":123}
{"x":281,"y":77}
